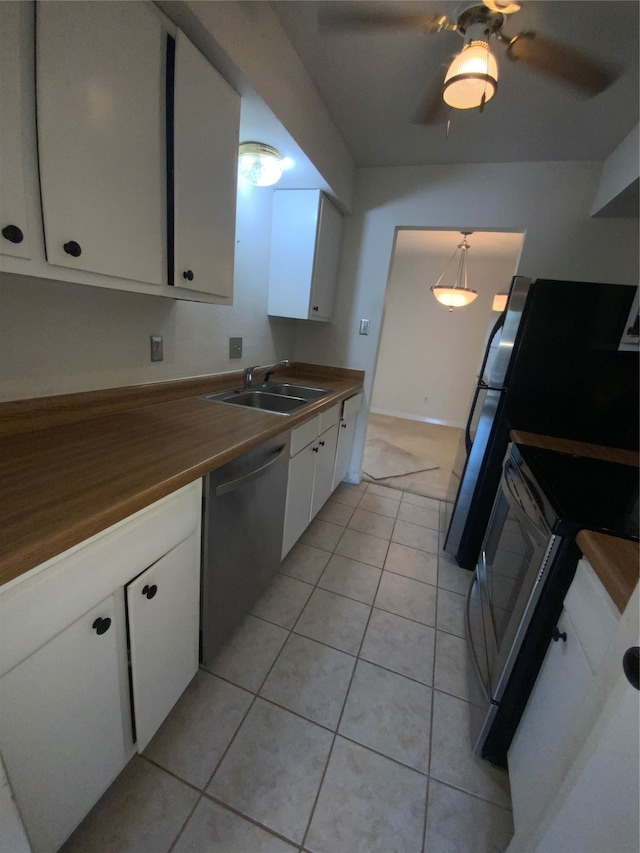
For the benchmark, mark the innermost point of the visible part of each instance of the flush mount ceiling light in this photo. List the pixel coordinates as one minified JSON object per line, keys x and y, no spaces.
{"x":459,"y":294}
{"x":259,"y":164}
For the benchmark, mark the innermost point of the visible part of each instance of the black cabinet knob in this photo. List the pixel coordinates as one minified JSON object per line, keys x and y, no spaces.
{"x":12,"y":233}
{"x":559,"y":635}
{"x":343,"y":425}
{"x":631,"y":666}
{"x":101,"y":626}
{"x":315,"y":449}
{"x":322,"y":444}
{"x":188,"y":274}
{"x":149,"y":591}
{"x":72,"y":248}
{"x":315,"y":308}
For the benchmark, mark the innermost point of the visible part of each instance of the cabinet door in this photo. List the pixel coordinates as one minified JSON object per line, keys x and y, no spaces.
{"x":346,"y":431}
{"x":299,"y":494}
{"x":538,"y":753}
{"x":327,"y":257}
{"x":15,"y":238}
{"x":206,"y":127}
{"x":325,"y":462}
{"x":100,"y":104}
{"x":61,"y":727}
{"x":163,"y":617}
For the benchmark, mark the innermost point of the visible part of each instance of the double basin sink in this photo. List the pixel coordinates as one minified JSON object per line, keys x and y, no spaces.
{"x":281,"y":398}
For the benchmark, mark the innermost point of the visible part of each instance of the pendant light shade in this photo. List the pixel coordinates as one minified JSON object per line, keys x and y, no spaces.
{"x":472,"y":78}
{"x":459,"y":294}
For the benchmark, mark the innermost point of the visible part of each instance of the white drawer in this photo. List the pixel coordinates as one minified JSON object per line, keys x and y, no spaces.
{"x":303,"y":434}
{"x":330,"y":417}
{"x":592,"y":612}
{"x":352,"y":406}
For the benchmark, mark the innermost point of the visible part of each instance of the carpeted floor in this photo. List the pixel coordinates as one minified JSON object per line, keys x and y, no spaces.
{"x":432,"y":444}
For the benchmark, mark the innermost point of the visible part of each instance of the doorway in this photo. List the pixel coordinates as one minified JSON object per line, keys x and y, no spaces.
{"x":429,"y":357}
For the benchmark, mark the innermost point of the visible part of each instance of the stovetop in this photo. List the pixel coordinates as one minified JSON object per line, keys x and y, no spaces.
{"x":584,"y":493}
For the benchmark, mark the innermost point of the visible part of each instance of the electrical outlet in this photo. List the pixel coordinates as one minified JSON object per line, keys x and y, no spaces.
{"x":235,"y":347}
{"x":156,"y":348}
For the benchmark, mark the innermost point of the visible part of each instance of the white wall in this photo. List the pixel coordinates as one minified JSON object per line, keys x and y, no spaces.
{"x":550,"y":202}
{"x":426,"y":351}
{"x":58,"y":338}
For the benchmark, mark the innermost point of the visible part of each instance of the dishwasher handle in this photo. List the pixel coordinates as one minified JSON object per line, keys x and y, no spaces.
{"x":232,"y":485}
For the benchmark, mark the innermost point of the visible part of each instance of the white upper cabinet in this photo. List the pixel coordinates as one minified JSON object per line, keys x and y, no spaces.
{"x":305,"y":251}
{"x":206,"y":122}
{"x":14,"y":71}
{"x":101,"y":120}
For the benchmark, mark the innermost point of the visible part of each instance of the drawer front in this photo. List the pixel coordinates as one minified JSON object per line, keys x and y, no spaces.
{"x":303,"y":434}
{"x":330,"y":417}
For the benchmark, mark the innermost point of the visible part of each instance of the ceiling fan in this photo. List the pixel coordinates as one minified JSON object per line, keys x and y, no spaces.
{"x":470,"y":78}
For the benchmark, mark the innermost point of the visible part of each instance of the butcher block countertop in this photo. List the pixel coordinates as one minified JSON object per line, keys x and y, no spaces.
{"x":615,"y":561}
{"x":73,"y":465}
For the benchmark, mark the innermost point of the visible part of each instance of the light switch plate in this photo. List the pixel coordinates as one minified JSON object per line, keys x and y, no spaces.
{"x":235,"y":347}
{"x":364,"y":327}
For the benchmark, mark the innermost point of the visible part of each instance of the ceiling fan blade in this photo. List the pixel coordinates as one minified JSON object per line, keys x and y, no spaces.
{"x":563,"y":63}
{"x":342,"y":20}
{"x":433,"y":109}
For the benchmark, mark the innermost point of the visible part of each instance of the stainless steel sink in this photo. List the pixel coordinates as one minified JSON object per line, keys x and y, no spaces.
{"x":288,"y":390}
{"x":281,"y":398}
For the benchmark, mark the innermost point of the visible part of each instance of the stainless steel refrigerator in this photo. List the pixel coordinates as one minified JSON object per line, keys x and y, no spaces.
{"x":559,"y":370}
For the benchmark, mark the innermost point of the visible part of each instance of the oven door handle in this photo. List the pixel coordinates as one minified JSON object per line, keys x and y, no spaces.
{"x":534,"y":505}
{"x":470,"y":646}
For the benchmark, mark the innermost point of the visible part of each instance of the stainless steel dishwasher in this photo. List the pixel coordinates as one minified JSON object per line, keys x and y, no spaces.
{"x":243,"y":521}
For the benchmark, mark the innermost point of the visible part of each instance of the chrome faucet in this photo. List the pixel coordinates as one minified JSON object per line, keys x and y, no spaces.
{"x":249,"y":372}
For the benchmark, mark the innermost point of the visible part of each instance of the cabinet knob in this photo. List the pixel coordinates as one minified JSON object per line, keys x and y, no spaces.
{"x":149,"y":591}
{"x":631,"y":666}
{"x":559,"y":635}
{"x":343,"y":425}
{"x":315,"y":449}
{"x":12,"y":233}
{"x":188,"y":274}
{"x":315,"y":308}
{"x":72,"y":248}
{"x":101,"y":626}
{"x":322,"y":444}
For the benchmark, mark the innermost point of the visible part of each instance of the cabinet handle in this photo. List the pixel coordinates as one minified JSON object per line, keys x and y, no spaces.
{"x":188,"y":274}
{"x":315,"y":308}
{"x":149,"y":591}
{"x":315,"y":449}
{"x":343,"y":424}
{"x":322,"y":444}
{"x":101,"y":626}
{"x":559,"y":635}
{"x":631,"y":666}
{"x":12,"y":233}
{"x":72,"y":248}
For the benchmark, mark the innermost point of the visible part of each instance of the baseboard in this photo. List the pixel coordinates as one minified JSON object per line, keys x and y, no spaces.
{"x":411,"y":417}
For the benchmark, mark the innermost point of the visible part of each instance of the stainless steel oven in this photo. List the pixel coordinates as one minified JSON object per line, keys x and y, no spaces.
{"x":527,"y":561}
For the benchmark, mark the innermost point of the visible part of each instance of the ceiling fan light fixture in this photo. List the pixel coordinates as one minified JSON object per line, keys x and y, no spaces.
{"x":259,"y":164}
{"x":472,"y":78}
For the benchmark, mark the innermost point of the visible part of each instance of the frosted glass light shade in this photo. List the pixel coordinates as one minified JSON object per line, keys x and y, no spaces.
{"x":472,"y":75}
{"x":259,"y":164}
{"x":454,"y":297}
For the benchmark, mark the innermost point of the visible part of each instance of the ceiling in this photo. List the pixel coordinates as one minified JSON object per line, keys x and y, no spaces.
{"x":373,"y":82}
{"x":482,"y":244}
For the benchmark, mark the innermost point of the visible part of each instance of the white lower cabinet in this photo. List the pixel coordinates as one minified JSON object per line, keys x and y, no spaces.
{"x":346,"y":432}
{"x":66,"y":723}
{"x":162,"y":620}
{"x":310,"y":482}
{"x":61,"y":725}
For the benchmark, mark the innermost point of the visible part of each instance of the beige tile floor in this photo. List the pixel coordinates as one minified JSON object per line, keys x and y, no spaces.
{"x":336,"y":718}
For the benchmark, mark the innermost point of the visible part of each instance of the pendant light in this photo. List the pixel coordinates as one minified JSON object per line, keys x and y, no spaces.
{"x":459,"y":294}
